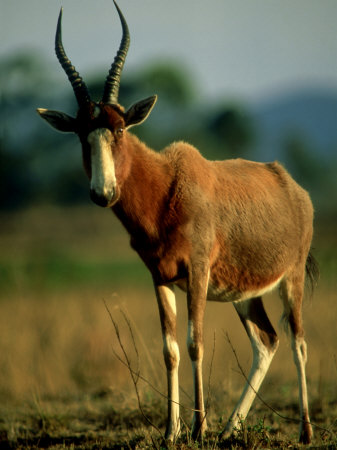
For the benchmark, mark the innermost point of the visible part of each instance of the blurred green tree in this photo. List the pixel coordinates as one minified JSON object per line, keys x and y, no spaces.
{"x":313,"y":172}
{"x":233,"y":129}
{"x":15,"y":180}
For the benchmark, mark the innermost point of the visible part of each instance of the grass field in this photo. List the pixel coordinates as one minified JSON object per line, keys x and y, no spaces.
{"x":61,"y":383}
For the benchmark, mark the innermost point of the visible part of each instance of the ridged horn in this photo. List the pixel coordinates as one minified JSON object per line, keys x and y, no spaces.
{"x":79,"y":87}
{"x":111,"y":87}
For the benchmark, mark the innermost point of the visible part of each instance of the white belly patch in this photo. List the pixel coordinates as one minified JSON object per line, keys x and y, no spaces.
{"x":217,"y":294}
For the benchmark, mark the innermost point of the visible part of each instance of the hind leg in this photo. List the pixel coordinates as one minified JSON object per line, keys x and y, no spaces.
{"x":264,"y":343}
{"x":292,"y":294}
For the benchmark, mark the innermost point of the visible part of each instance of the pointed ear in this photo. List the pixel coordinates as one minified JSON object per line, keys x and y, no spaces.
{"x":139,"y":111}
{"x":58,"y":120}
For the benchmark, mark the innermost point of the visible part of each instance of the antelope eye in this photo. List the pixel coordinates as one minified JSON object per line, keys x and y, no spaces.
{"x":119,"y":131}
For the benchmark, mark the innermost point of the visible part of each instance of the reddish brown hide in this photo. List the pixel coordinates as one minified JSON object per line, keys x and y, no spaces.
{"x":225,"y":231}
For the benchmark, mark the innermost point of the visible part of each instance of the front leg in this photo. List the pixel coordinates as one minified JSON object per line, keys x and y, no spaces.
{"x":167,"y":310}
{"x":196,"y":301}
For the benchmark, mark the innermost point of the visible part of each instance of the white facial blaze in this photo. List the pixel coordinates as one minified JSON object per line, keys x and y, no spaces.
{"x":103,"y":179}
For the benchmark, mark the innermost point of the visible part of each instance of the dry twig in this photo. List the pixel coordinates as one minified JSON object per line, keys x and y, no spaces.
{"x":135,"y":375}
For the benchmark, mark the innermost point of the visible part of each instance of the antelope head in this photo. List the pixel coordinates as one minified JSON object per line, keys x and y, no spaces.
{"x":100,"y":126}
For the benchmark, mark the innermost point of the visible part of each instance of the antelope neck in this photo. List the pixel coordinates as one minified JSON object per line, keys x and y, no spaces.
{"x":144,"y":192}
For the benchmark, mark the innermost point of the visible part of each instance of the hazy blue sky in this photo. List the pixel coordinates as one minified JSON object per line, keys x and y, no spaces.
{"x":236,"y":48}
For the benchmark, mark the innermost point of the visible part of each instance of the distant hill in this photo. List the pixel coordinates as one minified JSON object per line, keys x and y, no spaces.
{"x":305,"y":114}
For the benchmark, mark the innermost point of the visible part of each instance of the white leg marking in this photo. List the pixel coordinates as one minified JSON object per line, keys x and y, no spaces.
{"x":299,"y":351}
{"x":299,"y":348}
{"x":171,"y":298}
{"x":263,"y":352}
{"x":173,"y":427}
{"x":199,"y":415}
{"x":261,"y":362}
{"x":190,"y":333}
{"x":167,"y":307}
{"x":103,"y":179}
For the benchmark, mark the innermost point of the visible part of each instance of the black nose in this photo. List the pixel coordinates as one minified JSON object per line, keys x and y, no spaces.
{"x":100,"y":200}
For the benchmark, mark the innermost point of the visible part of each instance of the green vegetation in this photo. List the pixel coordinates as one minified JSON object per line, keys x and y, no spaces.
{"x":57,"y":271}
{"x":91,"y":422}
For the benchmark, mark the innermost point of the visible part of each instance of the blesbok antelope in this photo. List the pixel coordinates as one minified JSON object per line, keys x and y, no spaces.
{"x":226,"y":231}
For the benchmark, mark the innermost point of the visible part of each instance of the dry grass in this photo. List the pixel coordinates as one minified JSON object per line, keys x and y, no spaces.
{"x":60,"y":384}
